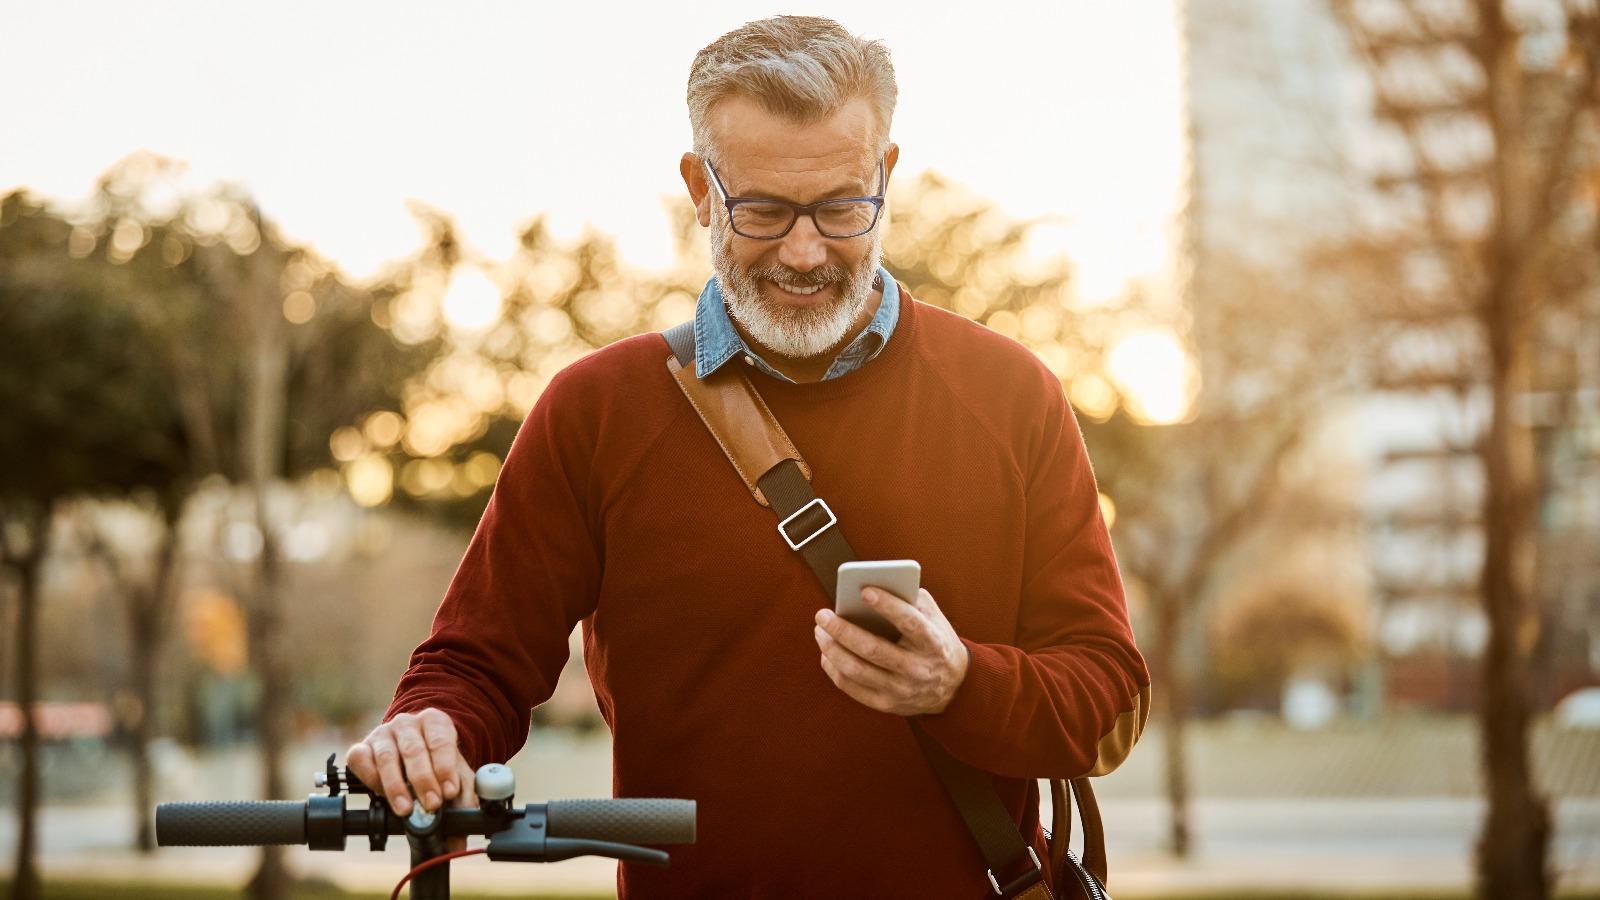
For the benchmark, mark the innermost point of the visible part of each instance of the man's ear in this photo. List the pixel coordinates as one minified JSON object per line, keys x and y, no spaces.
{"x":890,"y":157}
{"x":694,"y":178}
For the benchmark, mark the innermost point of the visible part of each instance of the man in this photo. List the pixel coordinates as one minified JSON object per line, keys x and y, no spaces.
{"x":715,"y":659}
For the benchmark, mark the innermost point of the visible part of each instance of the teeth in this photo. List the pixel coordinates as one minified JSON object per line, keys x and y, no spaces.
{"x":793,"y":289}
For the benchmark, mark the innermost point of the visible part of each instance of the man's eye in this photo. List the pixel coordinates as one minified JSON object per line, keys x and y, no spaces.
{"x":764,"y":212}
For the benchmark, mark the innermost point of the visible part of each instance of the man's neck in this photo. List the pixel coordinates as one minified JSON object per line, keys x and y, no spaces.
{"x":804,"y":369}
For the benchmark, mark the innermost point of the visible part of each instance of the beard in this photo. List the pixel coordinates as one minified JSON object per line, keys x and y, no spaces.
{"x":793,"y":332}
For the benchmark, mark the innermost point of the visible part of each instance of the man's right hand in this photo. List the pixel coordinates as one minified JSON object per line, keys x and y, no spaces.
{"x":416,"y":747}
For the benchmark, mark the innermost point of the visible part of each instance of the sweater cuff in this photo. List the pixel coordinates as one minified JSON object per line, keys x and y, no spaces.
{"x":968,"y":724}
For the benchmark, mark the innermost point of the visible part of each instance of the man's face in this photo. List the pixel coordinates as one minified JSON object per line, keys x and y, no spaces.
{"x":798,"y":295}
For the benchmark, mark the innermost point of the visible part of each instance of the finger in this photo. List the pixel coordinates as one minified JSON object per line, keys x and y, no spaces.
{"x":439,"y":736}
{"x":418,"y":763}
{"x":358,"y":762}
{"x":465,"y":778}
{"x":468,"y":780}
{"x":867,"y":645}
{"x":855,"y":691}
{"x":912,"y":622}
{"x":929,"y":607}
{"x":387,"y":759}
{"x":854,"y":667}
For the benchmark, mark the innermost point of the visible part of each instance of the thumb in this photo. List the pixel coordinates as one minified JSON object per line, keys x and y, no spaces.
{"x":468,"y":779}
{"x":467,"y":796}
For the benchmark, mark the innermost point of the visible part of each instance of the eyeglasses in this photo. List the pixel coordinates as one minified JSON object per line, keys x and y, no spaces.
{"x":768,"y":220}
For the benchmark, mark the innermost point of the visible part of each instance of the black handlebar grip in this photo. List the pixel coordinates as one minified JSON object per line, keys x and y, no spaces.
{"x":624,"y":821}
{"x":231,"y":823}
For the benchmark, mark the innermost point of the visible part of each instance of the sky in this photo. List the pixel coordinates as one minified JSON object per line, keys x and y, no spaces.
{"x":335,"y":114}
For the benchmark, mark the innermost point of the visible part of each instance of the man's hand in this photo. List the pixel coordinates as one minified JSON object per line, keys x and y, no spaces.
{"x":420,"y":748}
{"x":917,"y":676}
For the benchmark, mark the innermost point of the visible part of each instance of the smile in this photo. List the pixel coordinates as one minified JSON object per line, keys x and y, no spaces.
{"x":796,"y":289}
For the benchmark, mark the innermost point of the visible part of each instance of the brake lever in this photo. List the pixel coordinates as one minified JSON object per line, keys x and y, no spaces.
{"x":526,"y":839}
{"x":566,"y":848}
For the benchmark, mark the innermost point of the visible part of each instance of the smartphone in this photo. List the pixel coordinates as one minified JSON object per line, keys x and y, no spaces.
{"x":900,"y":577}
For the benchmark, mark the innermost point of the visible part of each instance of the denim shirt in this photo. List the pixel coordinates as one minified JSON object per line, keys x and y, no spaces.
{"x":716,"y":341}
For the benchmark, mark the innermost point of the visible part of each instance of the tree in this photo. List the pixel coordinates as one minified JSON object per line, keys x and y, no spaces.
{"x":307,"y":356}
{"x":259,"y":351}
{"x":83,"y":417}
{"x":1196,"y":498}
{"x":1493,"y":109}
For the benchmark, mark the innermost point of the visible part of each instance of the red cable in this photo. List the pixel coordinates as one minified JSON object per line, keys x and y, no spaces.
{"x":428,"y":864}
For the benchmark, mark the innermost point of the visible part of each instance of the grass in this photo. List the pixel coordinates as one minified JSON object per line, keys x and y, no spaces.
{"x":94,"y":890}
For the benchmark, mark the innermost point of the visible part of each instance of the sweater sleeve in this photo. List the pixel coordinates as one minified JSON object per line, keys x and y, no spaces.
{"x":1071,"y":694}
{"x":531,"y":572}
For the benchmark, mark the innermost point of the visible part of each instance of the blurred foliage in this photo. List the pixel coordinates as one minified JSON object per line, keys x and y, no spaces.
{"x":168,"y":295}
{"x":85,"y":412}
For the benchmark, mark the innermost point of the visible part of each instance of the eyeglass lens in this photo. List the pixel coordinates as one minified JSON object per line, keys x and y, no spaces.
{"x":845,"y":218}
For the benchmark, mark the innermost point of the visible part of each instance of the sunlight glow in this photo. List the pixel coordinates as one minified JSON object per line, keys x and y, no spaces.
{"x":371,"y":480}
{"x":1156,"y":376}
{"x":472,"y":301}
{"x":1108,"y":511}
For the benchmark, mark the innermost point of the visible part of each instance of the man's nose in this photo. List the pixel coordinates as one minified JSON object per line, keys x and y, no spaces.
{"x":803,"y":248}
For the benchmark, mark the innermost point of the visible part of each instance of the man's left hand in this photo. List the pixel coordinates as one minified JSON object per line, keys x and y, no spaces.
{"x":917,"y":676}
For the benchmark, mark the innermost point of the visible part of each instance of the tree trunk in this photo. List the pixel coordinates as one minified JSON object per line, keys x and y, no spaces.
{"x":144,"y":790}
{"x":272,"y":880}
{"x":1512,"y":848}
{"x":266,"y":405}
{"x":149,"y":612}
{"x":25,"y":872}
{"x":1171,"y":696}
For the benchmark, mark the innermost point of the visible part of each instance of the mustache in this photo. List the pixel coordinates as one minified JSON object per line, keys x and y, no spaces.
{"x":818,"y":277}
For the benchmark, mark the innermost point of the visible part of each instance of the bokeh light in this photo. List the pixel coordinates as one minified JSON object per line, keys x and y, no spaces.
{"x":472,"y":301}
{"x":1156,"y":376}
{"x":370,"y":479}
{"x":299,"y":307}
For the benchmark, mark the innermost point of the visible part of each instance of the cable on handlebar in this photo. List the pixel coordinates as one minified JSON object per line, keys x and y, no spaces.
{"x":428,"y":864}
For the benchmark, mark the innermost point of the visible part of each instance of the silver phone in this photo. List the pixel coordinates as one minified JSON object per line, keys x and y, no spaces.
{"x":900,"y":577}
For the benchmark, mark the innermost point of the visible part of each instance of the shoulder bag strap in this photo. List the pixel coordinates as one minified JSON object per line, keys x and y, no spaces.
{"x":778,"y":478}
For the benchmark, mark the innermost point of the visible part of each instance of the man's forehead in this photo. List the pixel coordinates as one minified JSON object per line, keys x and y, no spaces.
{"x":755,"y":144}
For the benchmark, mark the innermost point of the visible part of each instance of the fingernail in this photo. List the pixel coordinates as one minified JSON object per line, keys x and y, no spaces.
{"x":871,"y":596}
{"x":819,"y":633}
{"x":401,"y":804}
{"x":823,"y":616}
{"x":430,"y":800}
{"x":449,"y":789}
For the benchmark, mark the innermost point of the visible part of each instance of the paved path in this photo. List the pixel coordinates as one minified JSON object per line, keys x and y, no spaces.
{"x":1387,"y":808}
{"x":1338,"y":844}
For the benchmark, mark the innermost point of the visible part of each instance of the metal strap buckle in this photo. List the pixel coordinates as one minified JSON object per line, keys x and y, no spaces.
{"x":1020,"y":880}
{"x":783,"y":526}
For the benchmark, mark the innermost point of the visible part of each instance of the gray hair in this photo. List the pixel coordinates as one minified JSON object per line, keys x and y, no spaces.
{"x":801,"y":67}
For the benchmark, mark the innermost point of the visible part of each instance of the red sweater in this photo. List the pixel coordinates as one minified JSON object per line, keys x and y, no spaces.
{"x":616,"y":508}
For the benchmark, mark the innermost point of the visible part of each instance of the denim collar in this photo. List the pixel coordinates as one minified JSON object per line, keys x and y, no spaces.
{"x":716,"y":341}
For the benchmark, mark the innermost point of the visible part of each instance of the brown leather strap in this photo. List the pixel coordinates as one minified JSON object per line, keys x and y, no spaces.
{"x":1039,"y":891}
{"x":739,"y":419}
{"x":1060,"y":823}
{"x":1094,"y":832}
{"x":1081,"y":792}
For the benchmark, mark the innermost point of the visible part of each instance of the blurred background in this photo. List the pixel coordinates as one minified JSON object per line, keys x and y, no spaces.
{"x":1320,"y":277}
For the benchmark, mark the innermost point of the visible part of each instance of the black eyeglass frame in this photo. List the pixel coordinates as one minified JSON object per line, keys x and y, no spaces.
{"x":797,"y":210}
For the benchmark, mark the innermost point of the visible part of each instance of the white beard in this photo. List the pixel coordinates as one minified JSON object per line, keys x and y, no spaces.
{"x":794,"y":333}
